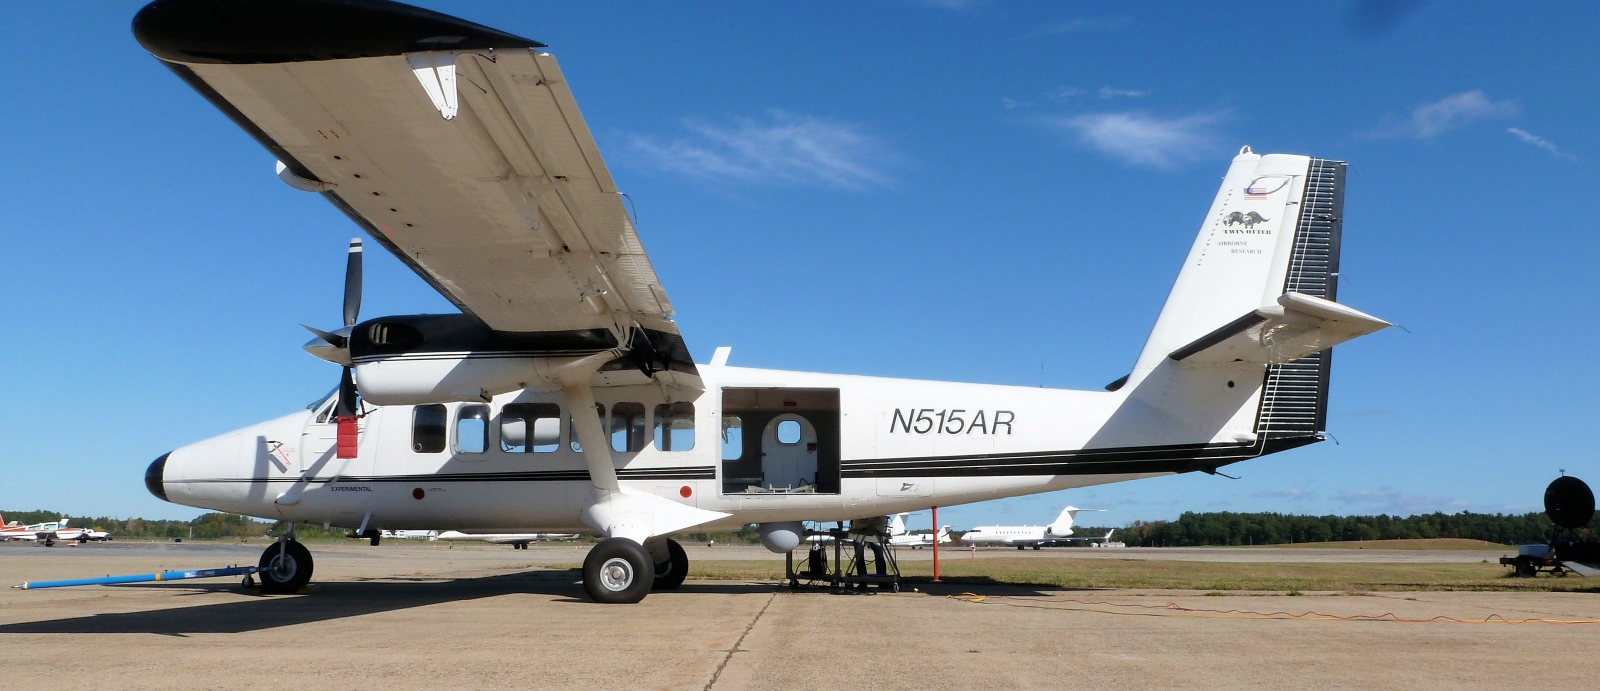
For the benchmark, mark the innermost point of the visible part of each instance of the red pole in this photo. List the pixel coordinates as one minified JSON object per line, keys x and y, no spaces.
{"x":935,"y":544}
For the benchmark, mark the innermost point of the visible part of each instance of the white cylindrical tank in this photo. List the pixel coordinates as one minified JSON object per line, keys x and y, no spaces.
{"x":782,"y":537}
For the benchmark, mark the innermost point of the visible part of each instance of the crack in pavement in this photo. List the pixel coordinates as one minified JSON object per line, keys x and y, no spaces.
{"x":717,"y":674}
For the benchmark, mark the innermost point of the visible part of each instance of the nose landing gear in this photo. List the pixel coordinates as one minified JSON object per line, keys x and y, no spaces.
{"x":285,"y":567}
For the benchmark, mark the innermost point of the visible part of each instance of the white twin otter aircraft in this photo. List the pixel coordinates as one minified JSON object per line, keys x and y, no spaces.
{"x":563,"y":399}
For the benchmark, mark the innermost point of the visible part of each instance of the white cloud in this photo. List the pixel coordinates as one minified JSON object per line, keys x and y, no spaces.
{"x":1108,"y":92}
{"x":1284,"y":494}
{"x":783,"y":149}
{"x":1451,"y":112}
{"x":1396,"y":503}
{"x":1143,"y":139}
{"x":1072,"y":26}
{"x":1063,"y":94}
{"x":947,"y":4}
{"x":1540,"y":142}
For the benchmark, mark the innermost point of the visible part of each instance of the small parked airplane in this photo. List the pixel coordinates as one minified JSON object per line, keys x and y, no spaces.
{"x":900,"y":537}
{"x":47,"y":533}
{"x":562,"y":397}
{"x":516,"y":540}
{"x":1027,"y":535}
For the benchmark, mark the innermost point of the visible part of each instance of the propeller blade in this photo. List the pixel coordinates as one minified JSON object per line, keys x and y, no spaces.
{"x":346,"y":407}
{"x":352,"y":283}
{"x":333,"y":339}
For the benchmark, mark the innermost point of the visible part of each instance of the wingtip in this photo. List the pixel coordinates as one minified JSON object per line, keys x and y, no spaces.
{"x":275,"y":31}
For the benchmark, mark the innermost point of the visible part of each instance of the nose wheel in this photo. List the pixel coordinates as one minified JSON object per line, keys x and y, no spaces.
{"x":618,"y":571}
{"x":285,"y":567}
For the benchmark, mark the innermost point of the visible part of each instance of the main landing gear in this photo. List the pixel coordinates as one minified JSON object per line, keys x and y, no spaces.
{"x":670,"y":573}
{"x":621,"y":571}
{"x":285,"y":567}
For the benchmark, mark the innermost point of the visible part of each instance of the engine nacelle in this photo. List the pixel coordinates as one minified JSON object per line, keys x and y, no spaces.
{"x":419,"y":359}
{"x":414,"y":381}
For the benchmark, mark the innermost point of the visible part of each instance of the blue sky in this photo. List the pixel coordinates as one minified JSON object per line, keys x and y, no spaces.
{"x":967,"y":191}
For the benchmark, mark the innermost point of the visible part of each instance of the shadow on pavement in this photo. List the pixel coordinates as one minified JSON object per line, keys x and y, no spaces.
{"x":325,"y":601}
{"x":336,"y":600}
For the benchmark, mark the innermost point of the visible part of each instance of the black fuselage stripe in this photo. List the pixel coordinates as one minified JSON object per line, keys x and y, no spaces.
{"x":1178,"y":458}
{"x":705,"y":473}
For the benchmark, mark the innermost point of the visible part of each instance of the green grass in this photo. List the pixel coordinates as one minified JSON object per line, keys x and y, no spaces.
{"x":1431,"y":544}
{"x":1190,"y":575}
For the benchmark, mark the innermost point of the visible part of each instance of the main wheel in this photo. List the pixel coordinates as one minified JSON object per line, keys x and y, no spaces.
{"x":285,"y":567}
{"x":618,"y":571}
{"x":670,"y":573}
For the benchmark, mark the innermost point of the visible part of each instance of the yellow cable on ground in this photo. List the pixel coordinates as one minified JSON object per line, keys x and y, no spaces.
{"x":1173,"y":609}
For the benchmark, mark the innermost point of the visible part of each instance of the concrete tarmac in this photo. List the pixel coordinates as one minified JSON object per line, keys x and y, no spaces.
{"x":415,"y":616}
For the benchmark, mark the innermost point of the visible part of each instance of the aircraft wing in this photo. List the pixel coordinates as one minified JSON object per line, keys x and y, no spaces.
{"x":457,"y":147}
{"x":1299,"y":326}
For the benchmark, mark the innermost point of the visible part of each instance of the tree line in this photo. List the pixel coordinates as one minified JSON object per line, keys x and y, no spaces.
{"x":1194,"y":529}
{"x":206,"y":526}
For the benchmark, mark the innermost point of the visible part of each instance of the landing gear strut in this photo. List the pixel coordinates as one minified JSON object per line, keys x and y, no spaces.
{"x":285,"y":566}
{"x":618,"y":571}
{"x":670,"y":573}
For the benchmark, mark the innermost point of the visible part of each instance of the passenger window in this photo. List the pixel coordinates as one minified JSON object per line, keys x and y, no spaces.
{"x":675,"y":427}
{"x":732,"y":437}
{"x":530,"y":428}
{"x":472,"y":429}
{"x":428,"y":428}
{"x":627,"y":427}
{"x":600,"y":412}
{"x":789,"y":432}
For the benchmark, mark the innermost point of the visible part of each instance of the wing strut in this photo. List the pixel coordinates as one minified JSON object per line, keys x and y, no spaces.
{"x":615,"y":511}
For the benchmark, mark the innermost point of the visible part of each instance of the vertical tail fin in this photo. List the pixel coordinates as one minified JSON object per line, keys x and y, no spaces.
{"x":1274,"y":228}
{"x":897,"y":524}
{"x":1062,"y":526}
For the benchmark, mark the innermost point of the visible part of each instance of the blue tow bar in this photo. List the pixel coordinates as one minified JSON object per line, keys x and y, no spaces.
{"x":143,"y":577}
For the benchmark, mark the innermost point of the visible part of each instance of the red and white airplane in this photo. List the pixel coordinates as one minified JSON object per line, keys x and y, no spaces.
{"x":562,"y":397}
{"x":47,"y":533}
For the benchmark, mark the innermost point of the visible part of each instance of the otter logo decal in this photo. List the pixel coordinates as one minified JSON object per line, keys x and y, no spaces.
{"x":1248,"y":220}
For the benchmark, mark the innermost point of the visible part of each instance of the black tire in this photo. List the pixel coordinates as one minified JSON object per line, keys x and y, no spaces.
{"x":285,"y":567}
{"x":1525,"y":568}
{"x":618,"y":571}
{"x":1035,"y":548}
{"x":670,"y":573}
{"x":1019,"y":548}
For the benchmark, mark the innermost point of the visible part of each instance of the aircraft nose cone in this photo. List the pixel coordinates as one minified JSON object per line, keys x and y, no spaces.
{"x":154,"y":477}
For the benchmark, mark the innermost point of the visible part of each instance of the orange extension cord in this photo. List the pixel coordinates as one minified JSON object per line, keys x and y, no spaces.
{"x":1173,"y":609}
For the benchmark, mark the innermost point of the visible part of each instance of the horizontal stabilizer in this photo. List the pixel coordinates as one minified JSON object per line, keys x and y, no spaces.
{"x":1298,"y":326}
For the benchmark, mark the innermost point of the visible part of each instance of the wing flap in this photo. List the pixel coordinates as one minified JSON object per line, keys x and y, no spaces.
{"x":1299,"y":326}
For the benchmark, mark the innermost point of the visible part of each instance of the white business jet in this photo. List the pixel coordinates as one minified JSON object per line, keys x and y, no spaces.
{"x":516,"y":540}
{"x":1026,"y":535}
{"x":900,"y":537}
{"x":562,"y":397}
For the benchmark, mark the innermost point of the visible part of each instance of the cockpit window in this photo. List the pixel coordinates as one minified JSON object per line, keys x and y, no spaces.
{"x":325,"y":413}
{"x":324,"y":398}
